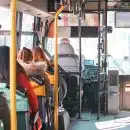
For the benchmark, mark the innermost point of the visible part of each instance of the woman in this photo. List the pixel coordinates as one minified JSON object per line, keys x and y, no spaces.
{"x":34,"y":68}
{"x":21,"y":78}
{"x":24,"y":57}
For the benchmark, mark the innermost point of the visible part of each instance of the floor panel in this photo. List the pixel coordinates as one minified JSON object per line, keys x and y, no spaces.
{"x":120,"y":122}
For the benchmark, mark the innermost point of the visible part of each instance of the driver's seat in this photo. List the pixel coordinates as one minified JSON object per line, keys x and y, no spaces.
{"x":67,"y":58}
{"x":69,"y":61}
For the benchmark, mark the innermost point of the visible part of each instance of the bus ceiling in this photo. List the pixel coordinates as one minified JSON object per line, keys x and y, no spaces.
{"x":37,"y":8}
{"x":46,"y":8}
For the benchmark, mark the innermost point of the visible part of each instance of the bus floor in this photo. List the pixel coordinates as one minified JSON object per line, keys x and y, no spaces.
{"x":106,"y":122}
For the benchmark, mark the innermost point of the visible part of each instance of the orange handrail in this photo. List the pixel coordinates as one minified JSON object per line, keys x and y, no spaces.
{"x":13,"y":67}
{"x":56,"y":69}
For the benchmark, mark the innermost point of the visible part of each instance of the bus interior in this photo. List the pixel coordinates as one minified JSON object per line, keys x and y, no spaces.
{"x":87,"y":66}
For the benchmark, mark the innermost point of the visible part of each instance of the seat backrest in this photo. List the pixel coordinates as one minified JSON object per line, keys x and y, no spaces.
{"x":4,"y":113}
{"x":66,"y":48}
{"x":68,"y":60}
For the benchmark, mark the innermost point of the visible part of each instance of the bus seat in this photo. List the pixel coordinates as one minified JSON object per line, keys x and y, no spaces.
{"x":66,"y":48}
{"x":51,"y":78}
{"x":38,"y":89}
{"x":67,"y":59}
{"x":22,"y":106}
{"x":37,"y":83}
{"x":4,"y":114}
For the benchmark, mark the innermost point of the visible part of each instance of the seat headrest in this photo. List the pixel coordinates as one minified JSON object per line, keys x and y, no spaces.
{"x":65,"y":40}
{"x":66,"y":48}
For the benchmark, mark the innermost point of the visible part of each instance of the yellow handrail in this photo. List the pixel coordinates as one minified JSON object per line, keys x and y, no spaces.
{"x":13,"y":67}
{"x":56,"y":69}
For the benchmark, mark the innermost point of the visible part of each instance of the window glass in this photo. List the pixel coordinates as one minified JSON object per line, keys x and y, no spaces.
{"x":27,"y":23}
{"x":26,"y":41}
{"x":118,"y":47}
{"x":50,"y":46}
{"x":89,"y":47}
{"x":5,"y":18}
{"x":4,"y":40}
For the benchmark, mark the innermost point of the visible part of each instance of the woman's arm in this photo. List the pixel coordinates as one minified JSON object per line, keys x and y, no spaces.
{"x":32,"y":98}
{"x":50,"y":64}
{"x":27,"y":67}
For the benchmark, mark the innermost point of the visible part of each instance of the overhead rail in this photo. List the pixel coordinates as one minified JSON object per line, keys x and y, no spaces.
{"x":92,"y":5}
{"x":99,"y":58}
{"x":105,"y":58}
{"x":80,"y":66}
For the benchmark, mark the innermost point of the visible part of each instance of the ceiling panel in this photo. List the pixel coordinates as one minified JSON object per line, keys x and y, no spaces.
{"x":4,"y":2}
{"x":34,"y":7}
{"x":40,"y":7}
{"x":40,"y":4}
{"x":26,"y":8}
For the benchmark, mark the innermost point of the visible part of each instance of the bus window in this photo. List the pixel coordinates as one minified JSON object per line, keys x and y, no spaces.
{"x":4,"y":40}
{"x":27,"y":41}
{"x":50,"y":45}
{"x":5,"y":18}
{"x":118,"y":47}
{"x":27,"y":23}
{"x":89,"y":47}
{"x":4,"y":22}
{"x":27,"y":26}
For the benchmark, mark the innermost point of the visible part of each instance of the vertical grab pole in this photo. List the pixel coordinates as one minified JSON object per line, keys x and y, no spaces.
{"x":13,"y":67}
{"x":105,"y":61}
{"x":80,"y":64}
{"x":56,"y":69}
{"x":99,"y":58}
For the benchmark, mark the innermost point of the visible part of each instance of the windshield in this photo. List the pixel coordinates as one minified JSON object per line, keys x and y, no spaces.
{"x":118,"y":47}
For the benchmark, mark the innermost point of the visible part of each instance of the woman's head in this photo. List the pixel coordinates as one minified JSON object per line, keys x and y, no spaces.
{"x":38,"y":54}
{"x":25,"y":55}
